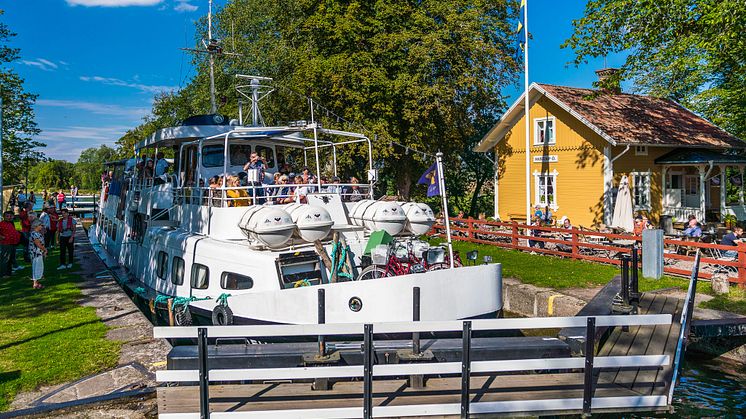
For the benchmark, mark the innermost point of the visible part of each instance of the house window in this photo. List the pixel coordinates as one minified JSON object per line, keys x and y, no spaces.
{"x":641,"y":150}
{"x":177,"y":271}
{"x":546,"y":189}
{"x":200,"y":276}
{"x":161,"y":265}
{"x":544,"y":131}
{"x":641,"y":190}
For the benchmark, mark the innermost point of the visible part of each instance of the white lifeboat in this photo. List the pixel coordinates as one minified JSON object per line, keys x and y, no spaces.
{"x":420,"y":217}
{"x":312,"y":222}
{"x":379,"y":215}
{"x":270,"y":226}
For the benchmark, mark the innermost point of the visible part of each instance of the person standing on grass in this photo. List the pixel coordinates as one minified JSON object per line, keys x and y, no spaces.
{"x":25,"y":215}
{"x":66,"y":238}
{"x":38,"y":251}
{"x":54,"y":219}
{"x":45,"y":222}
{"x":9,"y":239}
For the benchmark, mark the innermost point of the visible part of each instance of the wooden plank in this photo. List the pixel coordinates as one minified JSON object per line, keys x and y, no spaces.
{"x":253,"y":397}
{"x":666,"y":375}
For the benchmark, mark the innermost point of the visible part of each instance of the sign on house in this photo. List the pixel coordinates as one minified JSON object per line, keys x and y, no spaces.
{"x":545,"y":159}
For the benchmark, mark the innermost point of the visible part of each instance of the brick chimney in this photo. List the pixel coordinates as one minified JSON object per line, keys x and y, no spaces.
{"x":608,"y":85}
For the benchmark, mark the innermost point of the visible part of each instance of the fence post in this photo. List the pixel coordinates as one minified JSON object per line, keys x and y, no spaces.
{"x":204,"y":379}
{"x":368,"y":372}
{"x":321,"y":317}
{"x":465,"y":369}
{"x":416,"y":318}
{"x":514,"y":235}
{"x":741,"y":249}
{"x":575,"y":252}
{"x":590,"y":349}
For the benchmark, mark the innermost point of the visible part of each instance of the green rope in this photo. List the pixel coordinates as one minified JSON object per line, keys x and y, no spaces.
{"x":161,"y":298}
{"x":139,"y":291}
{"x":339,"y":264}
{"x":184,"y":301}
{"x":223,"y":299}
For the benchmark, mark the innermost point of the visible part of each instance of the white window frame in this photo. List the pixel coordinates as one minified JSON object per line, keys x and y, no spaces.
{"x":646,"y":191}
{"x":537,"y":194}
{"x":551,"y":141}
{"x":641,"y":150}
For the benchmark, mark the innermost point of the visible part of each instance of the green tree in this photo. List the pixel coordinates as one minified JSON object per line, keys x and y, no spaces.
{"x":87,"y":173}
{"x":691,"y":51}
{"x":52,"y":175}
{"x":18,"y":121}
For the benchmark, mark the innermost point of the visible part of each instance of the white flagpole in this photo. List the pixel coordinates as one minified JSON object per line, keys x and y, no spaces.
{"x":526,"y":111}
{"x":444,"y":198}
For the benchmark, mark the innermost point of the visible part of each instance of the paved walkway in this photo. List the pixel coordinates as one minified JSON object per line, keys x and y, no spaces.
{"x":140,"y":355}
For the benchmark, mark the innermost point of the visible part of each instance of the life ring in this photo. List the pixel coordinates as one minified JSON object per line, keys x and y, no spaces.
{"x":182,"y":316}
{"x":222,"y":315}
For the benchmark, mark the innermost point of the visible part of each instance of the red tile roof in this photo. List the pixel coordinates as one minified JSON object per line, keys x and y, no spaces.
{"x":636,"y":119}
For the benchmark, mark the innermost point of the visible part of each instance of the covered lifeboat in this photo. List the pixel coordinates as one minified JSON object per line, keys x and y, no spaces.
{"x":267,"y":226}
{"x":311,"y":222}
{"x":420,"y":217}
{"x":379,"y":215}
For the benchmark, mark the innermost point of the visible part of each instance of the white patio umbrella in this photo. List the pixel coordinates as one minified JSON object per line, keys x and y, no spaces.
{"x":623,"y":217}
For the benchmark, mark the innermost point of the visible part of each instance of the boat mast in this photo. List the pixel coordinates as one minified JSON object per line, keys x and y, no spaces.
{"x":211,"y":52}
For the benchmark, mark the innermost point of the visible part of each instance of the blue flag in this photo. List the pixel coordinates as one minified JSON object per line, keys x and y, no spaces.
{"x":430,"y":178}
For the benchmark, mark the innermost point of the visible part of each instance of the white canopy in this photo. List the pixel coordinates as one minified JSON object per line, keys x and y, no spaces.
{"x":623,"y":217}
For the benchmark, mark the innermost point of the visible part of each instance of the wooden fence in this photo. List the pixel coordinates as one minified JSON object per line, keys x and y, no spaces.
{"x":583,"y":244}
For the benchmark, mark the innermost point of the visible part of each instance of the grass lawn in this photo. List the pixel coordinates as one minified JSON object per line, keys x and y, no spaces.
{"x":45,"y":336}
{"x":558,"y":273}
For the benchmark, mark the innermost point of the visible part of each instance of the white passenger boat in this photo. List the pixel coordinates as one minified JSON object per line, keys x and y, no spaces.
{"x":236,"y":255}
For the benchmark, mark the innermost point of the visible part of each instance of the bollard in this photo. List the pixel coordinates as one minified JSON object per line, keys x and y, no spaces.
{"x":625,"y":279}
{"x":633,"y":291}
{"x":416,"y":318}
{"x":321,"y":317}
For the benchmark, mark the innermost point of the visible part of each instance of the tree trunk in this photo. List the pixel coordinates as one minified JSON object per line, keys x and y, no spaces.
{"x":475,"y":196}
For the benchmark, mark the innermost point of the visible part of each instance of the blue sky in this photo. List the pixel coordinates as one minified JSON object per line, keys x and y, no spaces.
{"x":96,"y":64}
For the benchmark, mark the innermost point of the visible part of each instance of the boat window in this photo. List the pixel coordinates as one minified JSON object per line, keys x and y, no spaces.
{"x":114,"y":230}
{"x":200,"y":276}
{"x":268,"y":154}
{"x":234,"y":281}
{"x":240,"y":154}
{"x":212,"y":156}
{"x":161,"y":265}
{"x":177,"y":271}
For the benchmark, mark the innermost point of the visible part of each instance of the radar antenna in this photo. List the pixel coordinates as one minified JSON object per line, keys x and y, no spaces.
{"x":257,"y":89}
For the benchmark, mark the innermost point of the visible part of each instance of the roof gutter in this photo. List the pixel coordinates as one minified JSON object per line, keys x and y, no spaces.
{"x":620,"y":155}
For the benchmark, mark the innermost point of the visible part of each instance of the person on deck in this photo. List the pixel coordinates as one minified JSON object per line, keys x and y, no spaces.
{"x":693,"y":229}
{"x":732,"y":239}
{"x":21,"y":200}
{"x":66,"y":237}
{"x":161,"y":165}
{"x":38,"y":251}
{"x":61,"y":199}
{"x":353,"y":194}
{"x":236,"y":197}
{"x":9,"y":239}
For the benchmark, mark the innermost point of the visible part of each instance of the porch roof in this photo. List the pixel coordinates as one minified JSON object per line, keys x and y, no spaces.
{"x":683,"y":156}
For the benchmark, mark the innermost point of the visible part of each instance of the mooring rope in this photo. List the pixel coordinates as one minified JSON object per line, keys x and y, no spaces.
{"x":223,"y":299}
{"x":339,"y":265}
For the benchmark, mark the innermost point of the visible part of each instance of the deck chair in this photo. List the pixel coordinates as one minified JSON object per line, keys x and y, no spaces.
{"x":719,"y":255}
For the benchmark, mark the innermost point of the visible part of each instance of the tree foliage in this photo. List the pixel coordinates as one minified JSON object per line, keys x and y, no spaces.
{"x":88,"y":169}
{"x":52,"y":175}
{"x":18,"y":124}
{"x":691,"y":51}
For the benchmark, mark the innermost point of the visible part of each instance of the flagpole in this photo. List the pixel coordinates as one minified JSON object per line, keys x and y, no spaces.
{"x":446,"y":218}
{"x":524,"y":3}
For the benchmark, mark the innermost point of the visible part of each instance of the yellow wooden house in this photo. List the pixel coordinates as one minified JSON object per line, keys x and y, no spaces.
{"x":583,"y":141}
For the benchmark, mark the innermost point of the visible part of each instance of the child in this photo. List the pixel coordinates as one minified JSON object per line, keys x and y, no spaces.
{"x":37,"y":251}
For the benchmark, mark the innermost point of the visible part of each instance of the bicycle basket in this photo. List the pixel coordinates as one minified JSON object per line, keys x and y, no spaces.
{"x":435,"y":255}
{"x":401,"y":252}
{"x":379,"y":254}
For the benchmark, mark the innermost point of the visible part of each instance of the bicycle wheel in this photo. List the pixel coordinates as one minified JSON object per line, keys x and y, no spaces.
{"x":438,"y":266}
{"x":372,"y":272}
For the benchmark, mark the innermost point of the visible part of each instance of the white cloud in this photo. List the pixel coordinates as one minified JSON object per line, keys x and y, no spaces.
{"x":67,"y":142}
{"x":42,"y":64}
{"x":113,"y":3}
{"x":96,"y":108}
{"x":123,"y":83}
{"x":185,"y":6}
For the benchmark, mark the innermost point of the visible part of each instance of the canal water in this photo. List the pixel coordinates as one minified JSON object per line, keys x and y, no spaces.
{"x":709,"y":389}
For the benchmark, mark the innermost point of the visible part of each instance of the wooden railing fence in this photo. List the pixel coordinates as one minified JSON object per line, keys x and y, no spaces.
{"x":596,"y":246}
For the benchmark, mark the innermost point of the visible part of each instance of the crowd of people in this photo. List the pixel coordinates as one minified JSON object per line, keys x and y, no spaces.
{"x":40,"y":231}
{"x":283,"y":188}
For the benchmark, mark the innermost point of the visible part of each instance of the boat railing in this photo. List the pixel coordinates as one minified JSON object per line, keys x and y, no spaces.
{"x":243,"y":196}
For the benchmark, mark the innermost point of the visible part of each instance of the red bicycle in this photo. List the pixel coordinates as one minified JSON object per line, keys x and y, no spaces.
{"x":401,"y":260}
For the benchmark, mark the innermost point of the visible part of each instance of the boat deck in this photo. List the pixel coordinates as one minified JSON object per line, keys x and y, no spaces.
{"x":565,"y":387}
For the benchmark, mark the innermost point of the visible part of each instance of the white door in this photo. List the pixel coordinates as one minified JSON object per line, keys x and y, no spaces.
{"x":691,"y":191}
